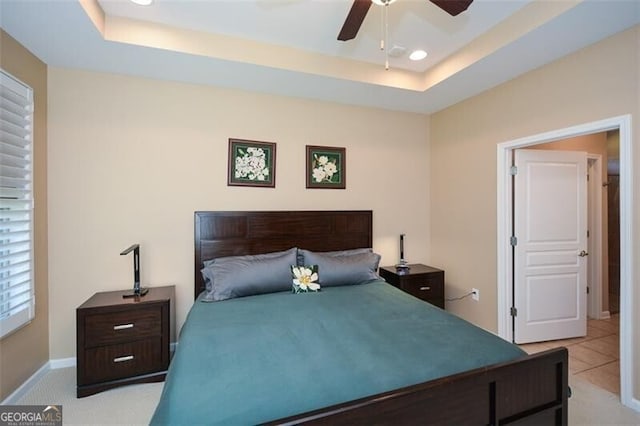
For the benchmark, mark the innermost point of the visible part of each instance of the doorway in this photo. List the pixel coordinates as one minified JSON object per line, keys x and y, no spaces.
{"x":613,"y":196}
{"x":596,"y":207}
{"x":600,"y":148}
{"x":505,"y":268}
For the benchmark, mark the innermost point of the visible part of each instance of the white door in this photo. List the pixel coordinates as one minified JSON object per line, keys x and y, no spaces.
{"x":550,"y":263}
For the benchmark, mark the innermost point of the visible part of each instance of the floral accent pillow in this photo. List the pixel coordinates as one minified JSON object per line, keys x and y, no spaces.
{"x":305,"y":278}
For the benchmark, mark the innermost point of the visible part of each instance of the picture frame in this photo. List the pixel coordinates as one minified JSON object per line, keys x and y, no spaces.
{"x":326,"y":167}
{"x":251,"y":163}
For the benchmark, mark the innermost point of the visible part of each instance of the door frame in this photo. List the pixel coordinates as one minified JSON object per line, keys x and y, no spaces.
{"x":594,"y":242}
{"x":504,"y":229}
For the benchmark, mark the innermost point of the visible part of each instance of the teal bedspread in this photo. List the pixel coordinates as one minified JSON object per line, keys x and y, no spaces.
{"x":260,"y":358}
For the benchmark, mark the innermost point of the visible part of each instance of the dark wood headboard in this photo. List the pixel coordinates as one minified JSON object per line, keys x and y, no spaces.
{"x":235,"y":233}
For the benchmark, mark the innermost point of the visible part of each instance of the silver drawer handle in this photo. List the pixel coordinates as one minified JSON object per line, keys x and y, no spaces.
{"x":425,"y":288}
{"x":122,"y":326}
{"x":123,"y":358}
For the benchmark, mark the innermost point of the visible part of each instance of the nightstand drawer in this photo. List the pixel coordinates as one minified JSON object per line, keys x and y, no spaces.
{"x":123,"y":360}
{"x":118,"y":327}
{"x":426,"y":288}
{"x":421,"y":281}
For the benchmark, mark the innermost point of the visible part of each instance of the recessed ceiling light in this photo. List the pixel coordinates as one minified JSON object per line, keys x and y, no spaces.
{"x":418,"y":55}
{"x":142,"y":2}
{"x":382,"y":2}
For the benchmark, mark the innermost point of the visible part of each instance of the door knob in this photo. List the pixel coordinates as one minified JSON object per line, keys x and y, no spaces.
{"x":583,"y":253}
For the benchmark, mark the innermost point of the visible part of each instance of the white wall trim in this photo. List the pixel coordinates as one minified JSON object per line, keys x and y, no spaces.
{"x":52,"y":364}
{"x":504,"y":272}
{"x":25,"y":387}
{"x":62,"y":363}
{"x":504,"y":263}
{"x":634,"y":404}
{"x":627,"y":308}
{"x":594,"y":216}
{"x":22,"y":390}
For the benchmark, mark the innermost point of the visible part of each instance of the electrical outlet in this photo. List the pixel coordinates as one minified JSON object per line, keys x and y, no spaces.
{"x":475,"y":294}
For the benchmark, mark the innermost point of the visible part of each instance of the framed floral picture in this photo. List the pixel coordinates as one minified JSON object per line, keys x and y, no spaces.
{"x":251,"y":163}
{"x":326,"y":167}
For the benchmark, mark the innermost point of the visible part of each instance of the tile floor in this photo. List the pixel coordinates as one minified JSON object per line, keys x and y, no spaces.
{"x":595,"y":357}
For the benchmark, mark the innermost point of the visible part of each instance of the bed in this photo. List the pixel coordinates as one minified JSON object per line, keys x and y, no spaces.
{"x":349,"y":354}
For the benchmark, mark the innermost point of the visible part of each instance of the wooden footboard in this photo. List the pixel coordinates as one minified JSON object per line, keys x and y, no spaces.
{"x":528,"y":391}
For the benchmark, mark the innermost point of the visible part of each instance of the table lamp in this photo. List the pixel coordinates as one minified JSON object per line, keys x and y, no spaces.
{"x":137,"y":290}
{"x":403,"y":265}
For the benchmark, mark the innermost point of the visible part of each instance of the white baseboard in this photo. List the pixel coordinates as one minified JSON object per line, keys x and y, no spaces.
{"x":605,"y":315}
{"x":634,"y":404}
{"x":52,"y":364}
{"x":26,"y":386}
{"x":62,"y":363}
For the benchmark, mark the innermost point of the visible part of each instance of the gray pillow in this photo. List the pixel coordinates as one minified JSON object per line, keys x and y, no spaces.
{"x":238,"y":276}
{"x":301,"y":253}
{"x":343,"y":269}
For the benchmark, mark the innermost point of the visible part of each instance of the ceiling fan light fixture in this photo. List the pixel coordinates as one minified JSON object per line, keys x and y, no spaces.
{"x":418,"y":55}
{"x":142,"y":2}
{"x":382,"y":2}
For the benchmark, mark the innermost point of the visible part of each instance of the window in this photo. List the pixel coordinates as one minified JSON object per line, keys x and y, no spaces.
{"x":17,"y":298}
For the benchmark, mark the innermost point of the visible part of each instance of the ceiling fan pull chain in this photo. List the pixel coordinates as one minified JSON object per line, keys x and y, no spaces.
{"x":386,"y":22}
{"x":382,"y":29}
{"x":386,"y":35}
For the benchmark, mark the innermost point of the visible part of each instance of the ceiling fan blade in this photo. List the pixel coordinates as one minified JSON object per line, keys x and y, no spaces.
{"x":452,"y":7}
{"x":354,"y":19}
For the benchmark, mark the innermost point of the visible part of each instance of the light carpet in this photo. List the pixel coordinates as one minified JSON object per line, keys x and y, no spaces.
{"x":134,"y":404}
{"x":126,"y":405}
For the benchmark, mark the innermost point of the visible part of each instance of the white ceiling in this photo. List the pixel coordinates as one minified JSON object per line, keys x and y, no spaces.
{"x":289,"y":47}
{"x":314,"y":24}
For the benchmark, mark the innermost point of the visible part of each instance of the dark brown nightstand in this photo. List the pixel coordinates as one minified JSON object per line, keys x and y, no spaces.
{"x":421,"y":281}
{"x":122,"y":341}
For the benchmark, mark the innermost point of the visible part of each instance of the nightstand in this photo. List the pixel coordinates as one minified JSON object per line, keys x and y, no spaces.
{"x":121,"y":341}
{"x":421,"y":281}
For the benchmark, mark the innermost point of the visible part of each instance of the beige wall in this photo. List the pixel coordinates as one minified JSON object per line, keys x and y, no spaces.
{"x":26,"y":350}
{"x":131,"y":159}
{"x":596,"y":143}
{"x":598,"y":82}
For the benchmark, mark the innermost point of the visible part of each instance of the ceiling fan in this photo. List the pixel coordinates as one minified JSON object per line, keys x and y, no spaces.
{"x":360,"y":8}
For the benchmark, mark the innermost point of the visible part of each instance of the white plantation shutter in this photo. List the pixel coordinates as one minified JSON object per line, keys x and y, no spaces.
{"x":16,"y":204}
